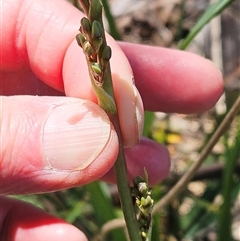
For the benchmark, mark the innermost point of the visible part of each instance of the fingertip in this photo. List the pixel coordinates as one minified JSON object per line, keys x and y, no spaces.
{"x":149,"y":155}
{"x":172,"y":80}
{"x":146,"y":155}
{"x":55,"y":231}
{"x":200,"y":84}
{"x":25,"y":222}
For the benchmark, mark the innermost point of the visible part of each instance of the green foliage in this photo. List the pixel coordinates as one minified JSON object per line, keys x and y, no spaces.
{"x":111,"y":22}
{"x":231,"y":158}
{"x":100,"y":200}
{"x":212,"y":11}
{"x":148,"y":121}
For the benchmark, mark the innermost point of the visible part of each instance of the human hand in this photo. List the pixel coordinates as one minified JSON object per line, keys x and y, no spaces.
{"x":52,"y":143}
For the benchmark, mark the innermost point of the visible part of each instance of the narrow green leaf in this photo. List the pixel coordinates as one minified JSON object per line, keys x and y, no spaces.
{"x":103,"y":208}
{"x":111,"y":22}
{"x":225,"y":217}
{"x":75,"y":212}
{"x":209,"y":14}
{"x":200,"y":215}
{"x":155,"y":228}
{"x":148,"y":121}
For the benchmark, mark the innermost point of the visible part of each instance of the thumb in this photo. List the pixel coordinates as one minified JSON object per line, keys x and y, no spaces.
{"x":51,"y":143}
{"x":22,"y":221}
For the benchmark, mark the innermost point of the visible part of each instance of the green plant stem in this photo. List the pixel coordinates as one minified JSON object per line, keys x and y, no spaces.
{"x":120,"y":168}
{"x":92,"y":35}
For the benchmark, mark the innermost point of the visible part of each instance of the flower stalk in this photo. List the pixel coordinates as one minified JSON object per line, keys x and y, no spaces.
{"x":93,"y":42}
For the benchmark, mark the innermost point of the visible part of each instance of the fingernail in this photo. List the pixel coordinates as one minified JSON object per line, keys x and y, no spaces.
{"x":131,"y":113}
{"x":139,"y":113}
{"x":74,"y":134}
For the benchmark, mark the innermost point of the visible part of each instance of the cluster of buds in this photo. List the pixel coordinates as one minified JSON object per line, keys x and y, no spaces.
{"x":143,"y":200}
{"x":92,"y":40}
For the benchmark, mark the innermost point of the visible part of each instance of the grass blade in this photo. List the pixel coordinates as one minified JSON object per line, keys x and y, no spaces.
{"x":209,"y":14}
{"x":232,"y":155}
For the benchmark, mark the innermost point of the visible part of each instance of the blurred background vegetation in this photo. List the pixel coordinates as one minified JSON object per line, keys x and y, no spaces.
{"x":209,"y":207}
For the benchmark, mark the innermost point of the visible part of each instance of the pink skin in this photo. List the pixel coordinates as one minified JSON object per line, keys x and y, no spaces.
{"x":168,"y":80}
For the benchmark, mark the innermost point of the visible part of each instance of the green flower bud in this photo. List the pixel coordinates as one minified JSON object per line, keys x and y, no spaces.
{"x":143,"y":202}
{"x":146,"y":202}
{"x":80,"y":39}
{"x":95,"y":11}
{"x":97,"y":30}
{"x":96,"y":68}
{"x":107,"y":53}
{"x":85,"y":25}
{"x":144,"y":234}
{"x":143,"y":188}
{"x":137,"y":180}
{"x":137,"y":202}
{"x":87,"y":48}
